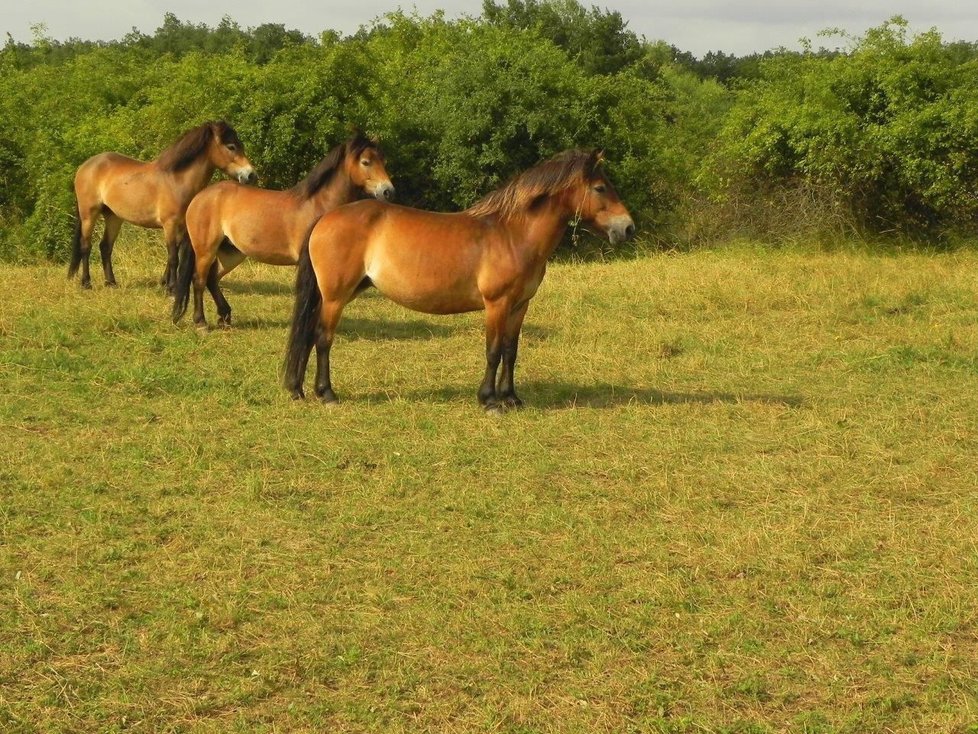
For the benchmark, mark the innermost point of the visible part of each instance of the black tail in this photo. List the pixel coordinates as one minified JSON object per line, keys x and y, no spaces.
{"x":185,"y":275}
{"x":76,"y":253}
{"x":305,"y":322}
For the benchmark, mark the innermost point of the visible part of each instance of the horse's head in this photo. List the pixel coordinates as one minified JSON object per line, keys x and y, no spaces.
{"x":364,"y":164}
{"x":226,"y":151}
{"x":597,"y":204}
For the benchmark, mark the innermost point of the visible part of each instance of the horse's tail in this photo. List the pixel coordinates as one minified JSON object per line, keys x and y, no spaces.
{"x":76,"y":251}
{"x":305,"y":321}
{"x":185,"y":275}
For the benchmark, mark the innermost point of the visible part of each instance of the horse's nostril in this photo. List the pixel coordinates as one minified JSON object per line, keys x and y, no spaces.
{"x":389,"y":193}
{"x":629,"y":231}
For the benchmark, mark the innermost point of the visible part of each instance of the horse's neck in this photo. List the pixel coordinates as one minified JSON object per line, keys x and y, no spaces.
{"x":540,"y":231}
{"x":194,"y":177}
{"x":340,"y":190}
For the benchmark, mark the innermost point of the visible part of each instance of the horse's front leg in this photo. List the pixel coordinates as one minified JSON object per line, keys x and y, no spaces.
{"x":506,"y":390}
{"x":173,"y":231}
{"x":497,"y":313}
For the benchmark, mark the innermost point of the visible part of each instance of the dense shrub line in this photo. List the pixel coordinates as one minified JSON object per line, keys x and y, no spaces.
{"x":880,"y":136}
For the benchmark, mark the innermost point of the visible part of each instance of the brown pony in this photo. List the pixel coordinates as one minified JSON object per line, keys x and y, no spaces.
{"x":491,"y":256}
{"x":154,"y":194}
{"x":227,"y":222}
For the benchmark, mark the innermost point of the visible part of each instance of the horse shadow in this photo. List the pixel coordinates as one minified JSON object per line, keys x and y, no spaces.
{"x":257,"y":287}
{"x":567,"y":396}
{"x":355,"y":329}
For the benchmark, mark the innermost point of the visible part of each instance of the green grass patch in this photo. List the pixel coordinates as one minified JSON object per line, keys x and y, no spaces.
{"x":741,"y":499}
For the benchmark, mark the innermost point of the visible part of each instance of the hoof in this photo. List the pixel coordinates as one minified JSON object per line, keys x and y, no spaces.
{"x":202,"y":327}
{"x":224,"y":323}
{"x":297,"y":394}
{"x":511,"y":401}
{"x":111,"y":284}
{"x":328,"y":398}
{"x":86,"y":285}
{"x":493,"y":406}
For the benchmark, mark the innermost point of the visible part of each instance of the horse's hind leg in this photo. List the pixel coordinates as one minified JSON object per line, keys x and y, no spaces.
{"x":88,"y":219}
{"x":112,"y":226}
{"x":329,"y":319}
{"x":205,"y":274}
{"x":223,"y":307}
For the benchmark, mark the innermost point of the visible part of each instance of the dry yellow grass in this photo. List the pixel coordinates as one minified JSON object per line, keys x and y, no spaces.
{"x":742,"y":498}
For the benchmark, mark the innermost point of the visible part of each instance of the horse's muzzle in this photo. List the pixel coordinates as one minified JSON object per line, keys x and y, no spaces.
{"x":620,"y":229}
{"x":247,"y":176}
{"x":384,"y":192}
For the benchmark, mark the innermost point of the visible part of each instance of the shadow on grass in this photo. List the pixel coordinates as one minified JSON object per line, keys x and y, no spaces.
{"x":563,"y":396}
{"x":256,"y":287}
{"x":228,"y":286}
{"x":354,"y":329}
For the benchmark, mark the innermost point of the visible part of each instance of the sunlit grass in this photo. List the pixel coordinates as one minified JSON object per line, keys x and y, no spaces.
{"x":742,"y":498}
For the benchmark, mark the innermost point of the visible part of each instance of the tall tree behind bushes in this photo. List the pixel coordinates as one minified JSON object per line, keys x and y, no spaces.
{"x":598,"y":40}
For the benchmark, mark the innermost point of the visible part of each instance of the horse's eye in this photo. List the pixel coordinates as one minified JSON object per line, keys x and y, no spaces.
{"x":600,"y":188}
{"x":366,"y":162}
{"x":232,"y":147}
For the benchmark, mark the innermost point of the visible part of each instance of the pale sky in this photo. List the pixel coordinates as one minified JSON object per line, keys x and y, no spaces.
{"x":698,"y":26}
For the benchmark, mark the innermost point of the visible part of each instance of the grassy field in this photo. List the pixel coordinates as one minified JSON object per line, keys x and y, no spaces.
{"x":743,"y":498}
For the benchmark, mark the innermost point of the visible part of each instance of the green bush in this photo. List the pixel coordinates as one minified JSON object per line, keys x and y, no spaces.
{"x":460,"y":106}
{"x":887,"y":130}
{"x":883,"y":136}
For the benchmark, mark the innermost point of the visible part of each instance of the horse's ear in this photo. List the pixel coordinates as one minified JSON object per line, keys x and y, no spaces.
{"x":598,"y":157}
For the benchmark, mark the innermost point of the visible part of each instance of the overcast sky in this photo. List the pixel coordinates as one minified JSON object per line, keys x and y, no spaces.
{"x":698,"y":26}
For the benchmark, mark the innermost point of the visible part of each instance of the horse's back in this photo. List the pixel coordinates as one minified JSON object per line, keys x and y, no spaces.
{"x":103,"y":163}
{"x":101,"y":170}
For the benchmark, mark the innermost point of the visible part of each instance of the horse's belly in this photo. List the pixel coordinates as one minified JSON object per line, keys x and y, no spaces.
{"x":267,"y":245}
{"x":134,"y":203}
{"x":428,"y":294}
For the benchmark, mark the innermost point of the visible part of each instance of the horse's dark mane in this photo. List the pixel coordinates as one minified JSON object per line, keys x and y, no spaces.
{"x":193,"y":143}
{"x":324,"y":171}
{"x":546,"y":178}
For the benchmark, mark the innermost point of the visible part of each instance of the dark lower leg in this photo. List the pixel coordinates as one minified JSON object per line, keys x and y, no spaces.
{"x":330,"y":317}
{"x":105,"y":248}
{"x":223,"y":307}
{"x":487,"y":390}
{"x":496,"y":316}
{"x":86,"y":276}
{"x":171,"y":267}
{"x":199,"y":318}
{"x":112,"y":225}
{"x":172,"y":232}
{"x":324,"y":388}
{"x":506,"y":392}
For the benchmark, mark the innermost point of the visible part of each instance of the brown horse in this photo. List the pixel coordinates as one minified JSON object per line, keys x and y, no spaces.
{"x":491,"y":256}
{"x":227,"y":222}
{"x":154,"y":194}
